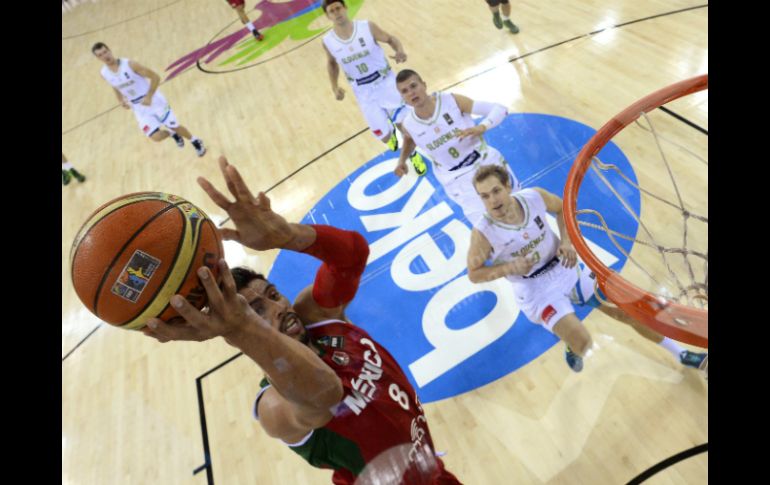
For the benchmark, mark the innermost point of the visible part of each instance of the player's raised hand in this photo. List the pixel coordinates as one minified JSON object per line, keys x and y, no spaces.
{"x":399,"y":57}
{"x":256,"y":225}
{"x":567,"y":254}
{"x":226,"y":314}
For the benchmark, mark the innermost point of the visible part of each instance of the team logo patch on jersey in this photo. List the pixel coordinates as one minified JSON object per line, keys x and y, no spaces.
{"x":539,"y":222}
{"x":135,"y":276}
{"x":378,"y":132}
{"x":340,"y":358}
{"x":548,"y":313}
{"x":448,"y":119}
{"x":525,"y":235}
{"x":333,"y":341}
{"x":146,"y":128}
{"x":437,"y":129}
{"x":361,"y":40}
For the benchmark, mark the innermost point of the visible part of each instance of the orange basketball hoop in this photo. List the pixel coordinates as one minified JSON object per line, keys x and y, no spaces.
{"x":684,"y":322}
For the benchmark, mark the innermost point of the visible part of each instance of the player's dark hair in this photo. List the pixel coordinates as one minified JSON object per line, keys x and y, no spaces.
{"x":329,"y":2}
{"x":243,"y":276}
{"x":405,"y":74}
{"x":98,"y":46}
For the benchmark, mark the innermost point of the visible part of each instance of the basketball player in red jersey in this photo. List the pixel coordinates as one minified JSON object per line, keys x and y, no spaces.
{"x":238,"y":7}
{"x":332,"y":393}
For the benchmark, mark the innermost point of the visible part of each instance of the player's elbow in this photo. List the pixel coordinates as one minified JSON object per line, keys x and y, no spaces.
{"x":359,"y":253}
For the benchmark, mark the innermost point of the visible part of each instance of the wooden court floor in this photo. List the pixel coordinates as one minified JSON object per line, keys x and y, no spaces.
{"x":130,"y":406}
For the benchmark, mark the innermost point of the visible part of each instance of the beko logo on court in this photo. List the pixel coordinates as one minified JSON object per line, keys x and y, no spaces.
{"x":279,"y":21}
{"x":447,"y":333}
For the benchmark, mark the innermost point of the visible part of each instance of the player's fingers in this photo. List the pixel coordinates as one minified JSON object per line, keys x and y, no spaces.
{"x":242,"y":192}
{"x":214,"y":194}
{"x":263,"y":201}
{"x":192,"y":315}
{"x":230,"y":234}
{"x":229,"y":290}
{"x":215,"y":297}
{"x":165,"y":332}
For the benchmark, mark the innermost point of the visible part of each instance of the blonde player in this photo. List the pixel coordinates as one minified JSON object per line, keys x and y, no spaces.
{"x":441,"y":125}
{"x":541,"y":267}
{"x":137,"y":89}
{"x":353,"y":45}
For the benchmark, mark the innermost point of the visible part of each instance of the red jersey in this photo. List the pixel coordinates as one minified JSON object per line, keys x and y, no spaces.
{"x":379,"y":413}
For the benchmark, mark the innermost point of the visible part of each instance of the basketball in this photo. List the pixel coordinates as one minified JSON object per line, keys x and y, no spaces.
{"x":137,"y":251}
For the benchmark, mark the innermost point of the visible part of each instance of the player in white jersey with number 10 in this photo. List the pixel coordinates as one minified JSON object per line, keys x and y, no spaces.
{"x":440,"y":124}
{"x":353,"y":46}
{"x":514,"y":234}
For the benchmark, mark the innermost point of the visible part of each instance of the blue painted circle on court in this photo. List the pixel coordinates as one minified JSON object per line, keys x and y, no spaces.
{"x":449,"y":335}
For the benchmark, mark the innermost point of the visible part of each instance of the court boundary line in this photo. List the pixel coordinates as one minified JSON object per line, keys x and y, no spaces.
{"x":670,"y":461}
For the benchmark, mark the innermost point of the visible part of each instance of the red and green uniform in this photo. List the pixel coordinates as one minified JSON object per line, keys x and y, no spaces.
{"x":379,"y":411}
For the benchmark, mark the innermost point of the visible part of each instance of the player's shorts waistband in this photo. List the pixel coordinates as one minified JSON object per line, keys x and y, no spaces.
{"x":545,"y":268}
{"x":469,"y":160}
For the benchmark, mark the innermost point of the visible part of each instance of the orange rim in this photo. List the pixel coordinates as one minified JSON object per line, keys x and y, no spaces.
{"x":672,"y":319}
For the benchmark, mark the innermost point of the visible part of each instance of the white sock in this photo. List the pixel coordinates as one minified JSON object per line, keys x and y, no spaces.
{"x":194,"y":139}
{"x":672,"y":346}
{"x":251,"y":27}
{"x":505,"y":18}
{"x":67,"y":166}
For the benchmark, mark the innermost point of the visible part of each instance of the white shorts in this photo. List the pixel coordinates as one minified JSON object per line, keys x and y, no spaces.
{"x":548,"y":298}
{"x":151,"y":118}
{"x":380,"y":102}
{"x":463,"y":193}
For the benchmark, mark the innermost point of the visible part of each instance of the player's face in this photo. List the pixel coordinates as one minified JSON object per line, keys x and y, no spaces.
{"x":104,"y":55}
{"x":496,"y":197}
{"x":413,"y":91}
{"x":337,"y":13}
{"x":269,"y":304}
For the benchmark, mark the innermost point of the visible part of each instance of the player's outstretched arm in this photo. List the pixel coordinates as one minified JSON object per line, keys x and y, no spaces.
{"x":257,"y":226}
{"x":305,"y":388}
{"x":493,"y":113}
{"x":344,"y":253}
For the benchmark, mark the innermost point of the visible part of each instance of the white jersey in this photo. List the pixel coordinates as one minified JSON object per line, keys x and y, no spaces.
{"x":533,"y":236}
{"x":437,"y":138}
{"x":130,"y":84}
{"x":362,"y":59}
